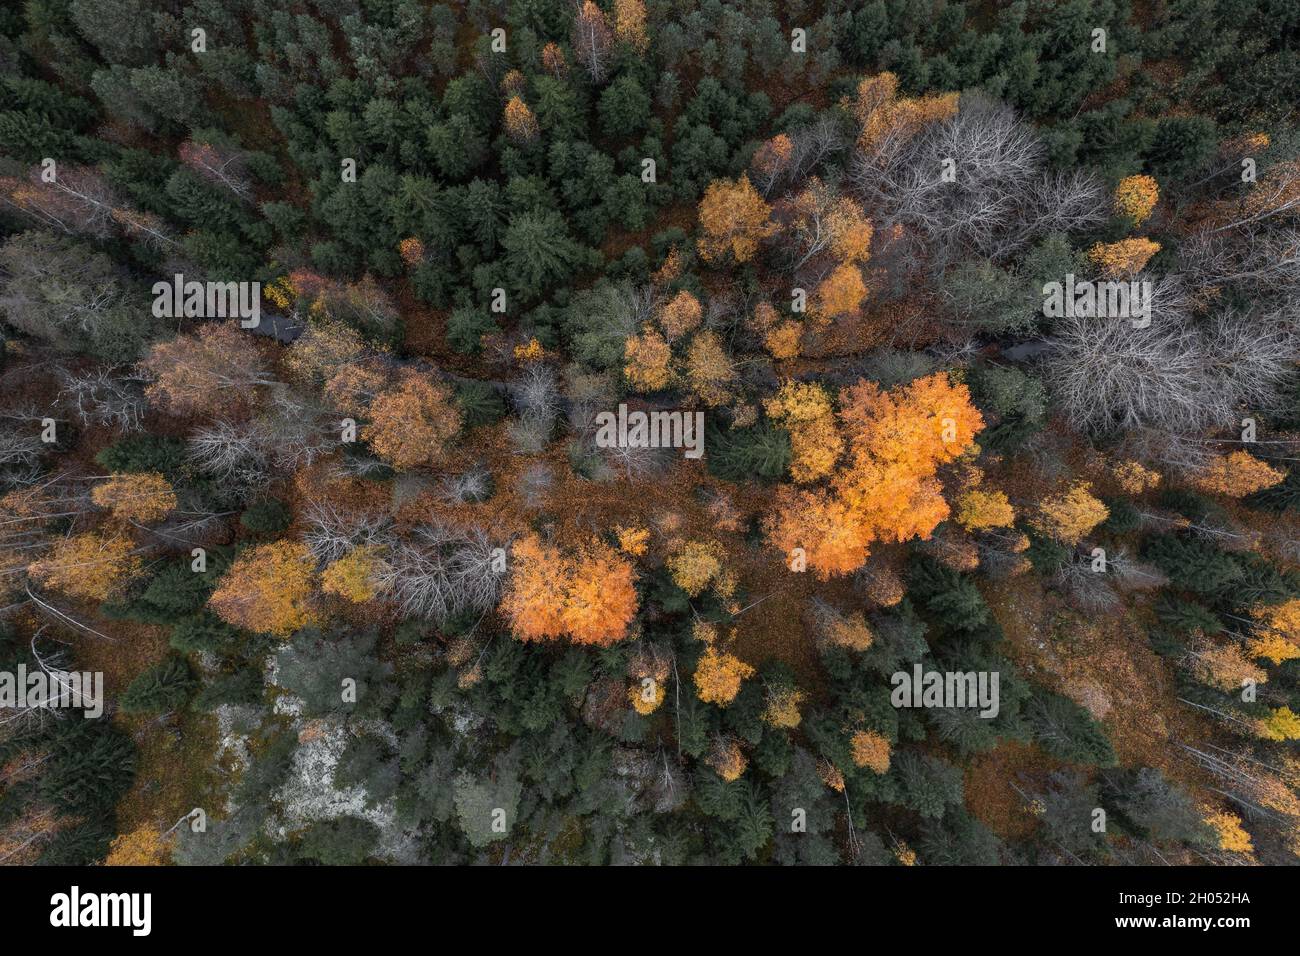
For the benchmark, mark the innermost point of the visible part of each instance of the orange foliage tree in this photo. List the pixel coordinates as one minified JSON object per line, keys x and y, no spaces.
{"x":649,"y":361}
{"x":411,"y":423}
{"x":588,"y":594}
{"x":268,"y":589}
{"x":887,"y":120}
{"x":682,"y":314}
{"x":718,"y":676}
{"x":143,"y":846}
{"x":886,"y":488}
{"x":841,"y":292}
{"x":733,"y":220}
{"x":1236,"y":475}
{"x":194,"y":373}
{"x":870,"y":750}
{"x":521,"y":124}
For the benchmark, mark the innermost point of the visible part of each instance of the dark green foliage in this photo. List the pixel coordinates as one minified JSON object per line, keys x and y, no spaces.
{"x":165,"y":687}
{"x":467,"y":326}
{"x":1067,"y":731}
{"x":1192,"y":564}
{"x":1158,"y":809}
{"x":138,"y":453}
{"x":269,"y":516}
{"x":91,"y":765}
{"x":946,"y":594}
{"x":929,"y":785}
{"x":480,"y":403}
{"x":743,"y":454}
{"x":346,"y":841}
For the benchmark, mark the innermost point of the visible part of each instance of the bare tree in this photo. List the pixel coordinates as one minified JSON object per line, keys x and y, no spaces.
{"x":105,"y":396}
{"x":1173,"y":376}
{"x":332,"y":532}
{"x":997,"y":197}
{"x":438,"y":573}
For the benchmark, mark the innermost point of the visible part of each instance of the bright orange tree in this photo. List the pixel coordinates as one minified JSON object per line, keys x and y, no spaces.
{"x":588,"y":594}
{"x":886,"y":488}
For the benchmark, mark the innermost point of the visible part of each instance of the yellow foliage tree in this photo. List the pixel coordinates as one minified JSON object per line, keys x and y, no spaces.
{"x":1236,"y":475}
{"x":718,"y":676}
{"x":804,"y":409}
{"x":633,"y":541}
{"x":355,"y":576}
{"x":1232,"y":836}
{"x":1135,"y":197}
{"x":629,"y":24}
{"x":649,"y":361}
{"x":709,"y":369}
{"x":784,"y":340}
{"x":696,"y":565}
{"x":1135,"y":478}
{"x":322,"y":350}
{"x":1280,"y":724}
{"x":1071,"y":514}
{"x":979,"y":510}
{"x":143,"y":497}
{"x":733,"y":220}
{"x":783,"y":705}
{"x":1118,"y":260}
{"x":885,"y":118}
{"x":841,"y":292}
{"x":143,"y":846}
{"x":91,"y":566}
{"x":268,"y":590}
{"x":1277,"y":634}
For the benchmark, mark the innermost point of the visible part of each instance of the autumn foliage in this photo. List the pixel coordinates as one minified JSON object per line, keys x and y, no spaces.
{"x":587,"y":594}
{"x":733,"y":221}
{"x":268,"y":590}
{"x":886,"y":488}
{"x":145,"y":497}
{"x":91,"y":566}
{"x":411,"y":423}
{"x":1236,"y":475}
